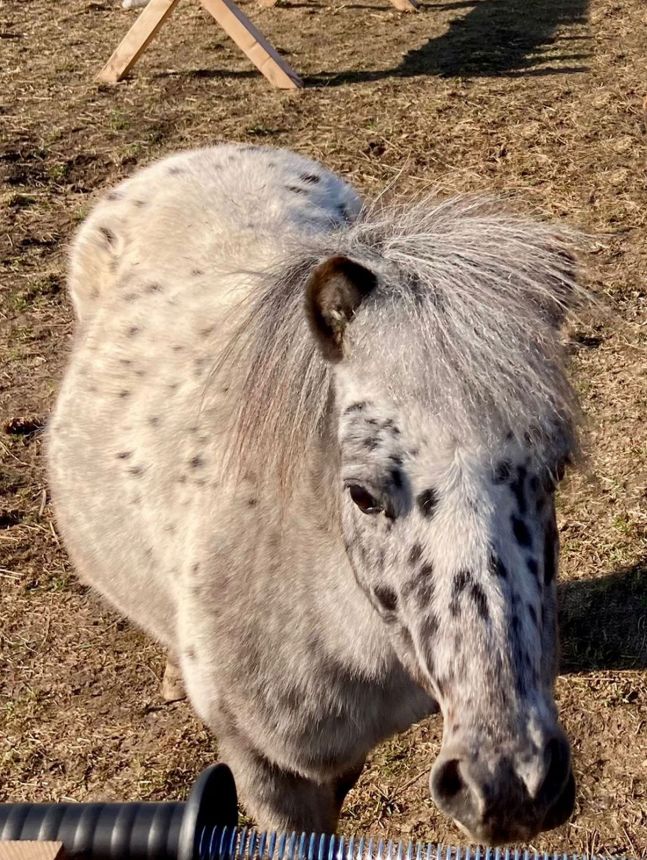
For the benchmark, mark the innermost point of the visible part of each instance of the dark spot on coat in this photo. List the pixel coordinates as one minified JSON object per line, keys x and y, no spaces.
{"x":251,"y":503}
{"x":533,"y":567}
{"x":175,"y":171}
{"x":189,"y":654}
{"x":140,"y":203}
{"x":533,"y":614}
{"x":114,"y":195}
{"x":296,"y":189}
{"x":197,"y":272}
{"x":534,"y":483}
{"x":124,"y":393}
{"x":502,"y":472}
{"x":396,"y":459}
{"x":195,"y":567}
{"x":136,"y":471}
{"x":462,"y":579}
{"x":133,"y":330}
{"x":427,"y":501}
{"x":124,"y":455}
{"x":415,"y":554}
{"x":518,"y":489}
{"x":342,"y":211}
{"x":108,"y":235}
{"x":371,"y":443}
{"x":154,"y":420}
{"x":177,"y":347}
{"x":429,"y":627}
{"x":496,"y":566}
{"x":520,"y":531}
{"x":355,"y":407}
{"x":310,"y":177}
{"x":196,"y":462}
{"x":550,"y":539}
{"x":386,"y":597}
{"x":480,"y":601}
{"x":153,"y":288}
{"x":396,"y":478}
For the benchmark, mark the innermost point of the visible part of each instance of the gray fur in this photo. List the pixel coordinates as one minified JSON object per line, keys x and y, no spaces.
{"x":201,"y":448}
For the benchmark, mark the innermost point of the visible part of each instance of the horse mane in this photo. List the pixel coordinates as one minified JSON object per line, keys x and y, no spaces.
{"x":466,"y":315}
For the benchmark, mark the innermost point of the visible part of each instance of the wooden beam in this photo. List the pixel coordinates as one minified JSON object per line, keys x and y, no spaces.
{"x":134,"y":43}
{"x":405,"y":5}
{"x":28,"y":850}
{"x":253,"y":43}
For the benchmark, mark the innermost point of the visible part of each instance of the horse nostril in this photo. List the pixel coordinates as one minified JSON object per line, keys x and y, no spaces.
{"x":557,"y":761}
{"x":447,"y":781}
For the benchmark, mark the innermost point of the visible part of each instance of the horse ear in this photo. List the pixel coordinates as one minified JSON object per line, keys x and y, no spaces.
{"x":335,"y":290}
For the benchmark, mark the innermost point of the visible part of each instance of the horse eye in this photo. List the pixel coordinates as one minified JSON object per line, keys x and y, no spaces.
{"x":364,"y":500}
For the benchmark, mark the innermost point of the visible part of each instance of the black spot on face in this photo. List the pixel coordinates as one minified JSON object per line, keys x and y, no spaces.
{"x":310,"y":177}
{"x":415,"y":554}
{"x":520,"y":531}
{"x":386,"y":597}
{"x":396,"y":478}
{"x":296,"y":189}
{"x":124,"y":455}
{"x":502,"y":472}
{"x":427,"y":501}
{"x":480,"y":601}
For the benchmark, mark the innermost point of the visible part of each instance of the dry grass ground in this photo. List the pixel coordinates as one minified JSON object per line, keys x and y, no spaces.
{"x":539,"y":98}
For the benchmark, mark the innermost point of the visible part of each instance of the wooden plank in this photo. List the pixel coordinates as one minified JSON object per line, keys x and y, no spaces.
{"x":134,"y":43}
{"x":253,"y":43}
{"x":31,"y":850}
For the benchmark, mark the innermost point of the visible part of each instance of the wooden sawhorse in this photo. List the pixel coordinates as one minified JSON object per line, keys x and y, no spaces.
{"x":232,"y":20}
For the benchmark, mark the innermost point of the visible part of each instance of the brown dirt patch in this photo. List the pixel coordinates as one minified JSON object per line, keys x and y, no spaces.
{"x":542,"y":100}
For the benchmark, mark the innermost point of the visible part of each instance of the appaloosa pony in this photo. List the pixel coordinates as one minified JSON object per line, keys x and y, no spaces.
{"x":311,"y":447}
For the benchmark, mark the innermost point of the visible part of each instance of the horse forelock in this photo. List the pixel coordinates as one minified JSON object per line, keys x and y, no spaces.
{"x":464,"y":317}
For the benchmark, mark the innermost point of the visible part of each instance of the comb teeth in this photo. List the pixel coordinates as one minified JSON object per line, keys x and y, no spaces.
{"x":233,"y":843}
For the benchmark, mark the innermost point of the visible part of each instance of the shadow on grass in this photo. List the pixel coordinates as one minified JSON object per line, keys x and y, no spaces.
{"x":498,"y":38}
{"x":603,"y":622}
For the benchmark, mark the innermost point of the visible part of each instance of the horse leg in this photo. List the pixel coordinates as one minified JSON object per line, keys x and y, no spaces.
{"x":276,"y":798}
{"x":345,"y":782}
{"x":172,"y":683}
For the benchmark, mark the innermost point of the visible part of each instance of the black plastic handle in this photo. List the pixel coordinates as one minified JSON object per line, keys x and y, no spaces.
{"x":128,"y":831}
